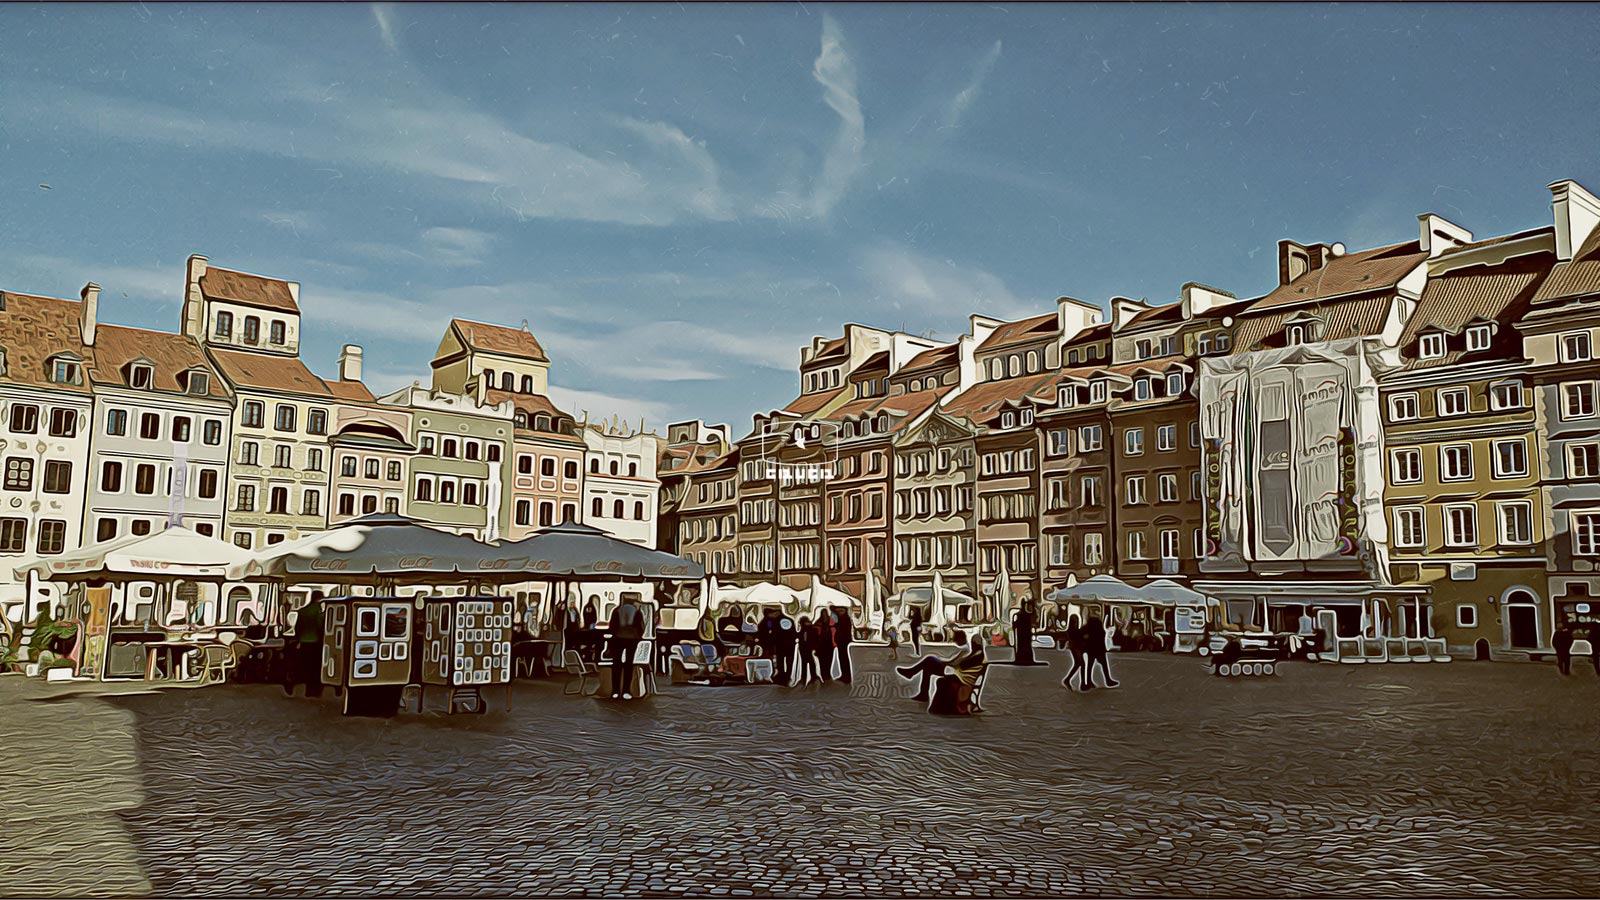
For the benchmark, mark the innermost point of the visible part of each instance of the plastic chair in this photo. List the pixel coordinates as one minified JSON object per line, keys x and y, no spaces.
{"x":708,"y":652}
{"x":574,"y":660}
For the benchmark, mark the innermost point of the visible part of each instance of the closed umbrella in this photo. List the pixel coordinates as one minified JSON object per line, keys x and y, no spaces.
{"x":936,"y":614}
{"x":1002,"y":593}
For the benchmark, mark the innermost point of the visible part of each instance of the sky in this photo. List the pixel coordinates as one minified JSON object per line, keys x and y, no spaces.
{"x":677,"y":197}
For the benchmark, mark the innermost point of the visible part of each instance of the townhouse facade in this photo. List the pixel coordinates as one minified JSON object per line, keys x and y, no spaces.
{"x":457,"y":474}
{"x":621,"y":490}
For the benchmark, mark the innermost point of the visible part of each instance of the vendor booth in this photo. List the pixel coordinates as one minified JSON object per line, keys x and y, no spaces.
{"x":1160,"y":615}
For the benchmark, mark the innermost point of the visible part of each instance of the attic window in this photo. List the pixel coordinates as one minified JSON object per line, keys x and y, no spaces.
{"x":1027,"y":417}
{"x":65,"y":370}
{"x":141,"y":376}
{"x":197,"y":383}
{"x":1007,"y":420}
{"x":1431,"y":346}
{"x":1478,"y":337}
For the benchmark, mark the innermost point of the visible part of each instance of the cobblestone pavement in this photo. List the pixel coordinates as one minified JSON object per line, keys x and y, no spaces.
{"x":1408,"y":780}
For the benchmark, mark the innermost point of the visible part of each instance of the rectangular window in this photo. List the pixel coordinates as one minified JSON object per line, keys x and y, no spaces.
{"x":1169,"y":488}
{"x":1097,"y":391}
{"x":1432,"y":346}
{"x":52,"y":536}
{"x":275,"y":332}
{"x":116,"y":422}
{"x":208,"y":484}
{"x":1175,"y":384}
{"x":1585,"y":533}
{"x":312,"y":504}
{"x":1461,"y":525}
{"x":1169,"y":543}
{"x":283,"y":456}
{"x":1167,"y":437}
{"x":1506,"y":395}
{"x":180,"y":429}
{"x":224,"y":324}
{"x":1478,"y":337}
{"x":1402,"y":407}
{"x":57,"y":477}
{"x":1405,"y":466}
{"x":283,"y":417}
{"x":1093,"y":549}
{"x":63,"y":423}
{"x":111,"y":477}
{"x":1136,"y":545}
{"x":1515,"y":519}
{"x":314,"y":460}
{"x":1090,"y":490}
{"x":150,"y":426}
{"x":13,"y":535}
{"x":252,"y":330}
{"x":1133,"y":442}
{"x":105,"y":530}
{"x":254,"y":413}
{"x":1577,"y":400}
{"x":249,"y":453}
{"x":1466,"y":616}
{"x":1409,"y":526}
{"x":144,"y":479}
{"x":1135,"y":490}
{"x":19,"y":473}
{"x":212,"y":433}
{"x":1453,"y":402}
{"x":1575,"y":347}
{"x":1510,"y":458}
{"x":1455,"y":462}
{"x":1583,"y":460}
{"x":246,"y":500}
{"x":24,"y":418}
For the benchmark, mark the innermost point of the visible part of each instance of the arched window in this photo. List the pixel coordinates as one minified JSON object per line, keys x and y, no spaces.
{"x":638,"y":510}
{"x":616,"y":510}
{"x":614,"y":467}
{"x":633,"y":470}
{"x":849,"y":429}
{"x":1033,"y":361}
{"x":527,"y":384}
{"x":599,"y":508}
{"x":522,"y":419}
{"x":508,"y":381}
{"x":488,"y":377}
{"x":996,"y":372}
{"x":594,"y":465}
{"x":1016,"y":364}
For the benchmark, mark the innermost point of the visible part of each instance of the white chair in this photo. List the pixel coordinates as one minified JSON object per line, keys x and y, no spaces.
{"x":1348,"y":650}
{"x":1374,"y":650}
{"x":1417,"y":650}
{"x":574,"y":662}
{"x":758,"y":671}
{"x":1395,"y":649}
{"x":1437,"y":649}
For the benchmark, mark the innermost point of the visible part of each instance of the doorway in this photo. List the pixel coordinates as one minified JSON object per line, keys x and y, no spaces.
{"x":1522,"y":620}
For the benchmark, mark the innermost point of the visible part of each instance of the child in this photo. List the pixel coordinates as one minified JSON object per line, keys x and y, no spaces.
{"x":894,"y":643}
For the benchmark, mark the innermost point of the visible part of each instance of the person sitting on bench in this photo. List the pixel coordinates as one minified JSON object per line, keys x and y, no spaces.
{"x":952,"y":693}
{"x":930,"y":667}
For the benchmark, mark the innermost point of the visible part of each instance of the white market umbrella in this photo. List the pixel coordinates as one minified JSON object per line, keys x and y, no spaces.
{"x":707,"y":591}
{"x":1002,"y":594}
{"x":936,"y":615}
{"x":176,"y":552}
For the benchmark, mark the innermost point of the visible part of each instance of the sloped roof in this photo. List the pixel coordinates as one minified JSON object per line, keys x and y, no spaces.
{"x":498,"y":339}
{"x":168,"y":354}
{"x":349,"y":390}
{"x":250,"y":290}
{"x":1578,"y":277}
{"x":1353,"y":317}
{"x":979,"y":402}
{"x":1156,"y":314}
{"x":33,"y":329}
{"x":938,"y":357}
{"x":269,"y":371}
{"x":829,"y":350}
{"x":1378,"y":269}
{"x":532,"y":404}
{"x":1476,"y":294}
{"x":879,"y":360}
{"x":1502,"y":239}
{"x":806,"y":404}
{"x":1020,"y":331}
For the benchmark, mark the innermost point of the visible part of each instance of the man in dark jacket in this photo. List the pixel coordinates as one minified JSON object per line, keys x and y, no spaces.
{"x":843,"y":637}
{"x":1094,"y":639}
{"x":916,"y":629}
{"x":825,"y":648}
{"x":784,"y":638}
{"x":305,"y":659}
{"x":931,"y":667}
{"x":1561,"y":641}
{"x":627,"y":628}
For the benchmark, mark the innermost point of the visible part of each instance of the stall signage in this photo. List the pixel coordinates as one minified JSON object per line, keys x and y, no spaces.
{"x":330,"y":565}
{"x":674,"y":571}
{"x":415,"y":562}
{"x":501,"y":564}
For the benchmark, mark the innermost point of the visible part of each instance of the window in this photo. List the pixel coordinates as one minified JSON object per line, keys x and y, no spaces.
{"x":1402,"y":407}
{"x":1515,"y":519}
{"x":614,"y":467}
{"x":347,"y":504}
{"x":1133,"y":441}
{"x":57,"y":477}
{"x":278,"y":500}
{"x":1510,"y":458}
{"x":150,"y":426}
{"x":369,"y":505}
{"x":1585,"y":533}
{"x":311,"y":503}
{"x":572,"y":470}
{"x":245,"y":500}
{"x":1478,"y":337}
{"x":180,"y":429}
{"x":447,"y":492}
{"x":1175,"y":384}
{"x":1578,"y":400}
{"x":63,"y":423}
{"x":224,"y":326}
{"x":116,"y":422}
{"x":1406,"y":466}
{"x":283,"y":417}
{"x":1466,"y":616}
{"x":1409,"y":526}
{"x":469,"y":493}
{"x":1089,"y":489}
{"x":1167,"y":437}
{"x":1093,"y":549}
{"x":1583,"y":460}
{"x":13,"y":535}
{"x":372,"y":468}
{"x":249,"y":453}
{"x":208,"y":484}
{"x":1141,"y":388}
{"x":1169,"y":543}
{"x":242,"y":540}
{"x":275,"y":332}
{"x":1506,"y":395}
{"x":140,"y":526}
{"x":1431,"y":346}
{"x":1097,"y":391}
{"x":547,"y":467}
{"x":52,"y":536}
{"x":252,"y":330}
{"x":1455,"y":462}
{"x":1089,"y":438}
{"x":524,"y":512}
{"x":424,"y":489}
{"x":144,"y":479}
{"x":347,"y":466}
{"x":394,"y":470}
{"x":525,"y":466}
{"x":141,"y":377}
{"x":1461,"y":525}
{"x":1453,"y":402}
{"x":212,"y":433}
{"x":1169,"y":488}
{"x":64,"y":371}
{"x":527,"y":384}
{"x":24,"y":418}
{"x":1136,"y":545}
{"x":111,"y":477}
{"x":19,"y":473}
{"x":1015,"y":365}
{"x":105,"y":530}
{"x":316,"y":421}
{"x":1575,"y":347}
{"x":254,"y":413}
{"x":1135,"y":489}
{"x":197,"y":383}
{"x":547,"y":514}
{"x":283,"y":456}
{"x":471,"y":449}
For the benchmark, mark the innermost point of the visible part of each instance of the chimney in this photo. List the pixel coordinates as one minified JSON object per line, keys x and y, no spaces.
{"x":1199,"y":299}
{"x":1577,"y":214}
{"x":1123,"y":310}
{"x":193,"y":321}
{"x":294,"y":292}
{"x":1295,"y":259}
{"x":350,"y":363}
{"x":1073,"y":316}
{"x":1439,"y":234}
{"x":91,"y":308}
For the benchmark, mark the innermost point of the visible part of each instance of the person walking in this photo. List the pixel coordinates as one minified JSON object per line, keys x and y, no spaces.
{"x":766,"y":633}
{"x":783,"y":644}
{"x":1022,"y":623}
{"x":892,"y":635}
{"x":1074,"y":649}
{"x":591,"y":640}
{"x":1561,"y":641}
{"x":916,"y":629}
{"x":305,"y":661}
{"x":843,"y":637}
{"x":627,"y":629}
{"x":1094,"y":639}
{"x":808,"y":652}
{"x":824,"y":645}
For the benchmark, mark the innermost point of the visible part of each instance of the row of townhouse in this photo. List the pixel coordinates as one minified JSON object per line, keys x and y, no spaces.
{"x":108,"y":431}
{"x":1406,"y":438}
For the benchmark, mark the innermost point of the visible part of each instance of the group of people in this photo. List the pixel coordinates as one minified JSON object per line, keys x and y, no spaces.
{"x":1086,"y":644}
{"x":822,"y":646}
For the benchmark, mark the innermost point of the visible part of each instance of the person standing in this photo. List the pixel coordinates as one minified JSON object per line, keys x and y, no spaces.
{"x":305,"y":661}
{"x":808,"y":652}
{"x":843,"y":637}
{"x":591,"y":637}
{"x":1075,"y":649}
{"x":916,"y":630}
{"x":1094,"y":639}
{"x":627,"y":629}
{"x":1562,"y":642}
{"x":1022,"y":632}
{"x":783,"y":642}
{"x":824,"y":645}
{"x":766,"y":633}
{"x":892,"y":635}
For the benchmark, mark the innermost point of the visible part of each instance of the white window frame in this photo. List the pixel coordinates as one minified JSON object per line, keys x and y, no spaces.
{"x":1479,"y":337}
{"x":1170,"y":536}
{"x":1094,"y":549}
{"x":1431,"y":346}
{"x":1576,"y":346}
{"x":1090,"y":438}
{"x":1584,"y":531}
{"x":1582,"y":389}
{"x":1501,"y":509}
{"x":1174,"y":384}
{"x":1407,"y":518}
{"x":1496,"y":401}
{"x":1097,"y":391}
{"x":1133,"y":490}
{"x":1136,"y":547}
{"x":1451,"y":511}
{"x":1133,"y":442}
{"x":1461,"y":620}
{"x":1448,"y":452}
{"x":1446,"y":406}
{"x":1494,"y":450}
{"x":1166,"y":437}
{"x":1404,"y":407}
{"x":1163,"y":482}
{"x":1395,"y":456}
{"x":1590,"y":451}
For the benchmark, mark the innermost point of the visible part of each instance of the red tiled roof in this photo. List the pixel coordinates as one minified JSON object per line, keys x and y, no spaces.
{"x":1578,"y":277}
{"x":875,"y":361}
{"x":938,"y":357}
{"x":269,"y":371}
{"x":1019,"y":331}
{"x":1456,"y":299}
{"x":1502,"y":239}
{"x":499,"y":339}
{"x":350,"y":390}
{"x":1377,"y":269}
{"x":251,"y":290}
{"x":1352,"y":317}
{"x":854,"y":408}
{"x":980,"y":402}
{"x":169,"y":355}
{"x":1163,"y":313}
{"x":33,"y":329}
{"x":829,"y":350}
{"x":806,"y":404}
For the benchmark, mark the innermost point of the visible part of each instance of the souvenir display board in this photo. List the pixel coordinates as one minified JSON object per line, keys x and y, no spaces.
{"x":467,"y":641}
{"x":366,"y":641}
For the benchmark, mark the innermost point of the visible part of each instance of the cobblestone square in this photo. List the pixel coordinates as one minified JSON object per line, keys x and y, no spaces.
{"x":1420,"y":780}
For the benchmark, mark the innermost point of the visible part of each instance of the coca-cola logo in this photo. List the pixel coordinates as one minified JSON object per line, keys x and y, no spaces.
{"x":330,"y":565}
{"x":608,"y":566}
{"x":148,"y":564}
{"x":542,"y":565}
{"x":671,"y":571}
{"x":415,"y":562}
{"x":500,"y":564}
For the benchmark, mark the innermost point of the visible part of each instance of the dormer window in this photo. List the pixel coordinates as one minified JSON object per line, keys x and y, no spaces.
{"x":881,"y":425}
{"x":1205,"y":345}
{"x":141,"y":376}
{"x":1065,"y":397}
{"x":541,"y":422}
{"x":275,"y":333}
{"x":1097,"y":391}
{"x":1222,"y":342}
{"x":224,"y":324}
{"x":1575,"y":347}
{"x":1478,"y":337}
{"x":1431,"y":346}
{"x":66,"y":369}
{"x":1174,"y":384}
{"x":1142,"y":388}
{"x":849,"y":429}
{"x":1007,"y":420}
{"x":196,"y":382}
{"x":4,"y":369}
{"x":252,"y":330}
{"x":1072,"y":357}
{"x":1298,"y":334}
{"x":1142,"y":349}
{"x":1027,"y":417}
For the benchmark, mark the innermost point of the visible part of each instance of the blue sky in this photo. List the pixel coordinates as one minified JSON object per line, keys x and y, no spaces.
{"x":676,"y":197}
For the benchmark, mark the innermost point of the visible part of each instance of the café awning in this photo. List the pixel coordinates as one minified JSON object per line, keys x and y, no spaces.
{"x":176,"y":552}
{"x":573,"y":550}
{"x":383,"y":546}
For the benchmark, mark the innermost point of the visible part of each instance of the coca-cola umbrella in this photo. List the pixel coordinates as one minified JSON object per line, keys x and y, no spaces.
{"x":385,"y":548}
{"x":573,"y":551}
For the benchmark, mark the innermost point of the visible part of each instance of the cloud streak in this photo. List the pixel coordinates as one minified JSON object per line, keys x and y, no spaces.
{"x":963,"y":100}
{"x":836,"y":72}
{"x":921,"y":285}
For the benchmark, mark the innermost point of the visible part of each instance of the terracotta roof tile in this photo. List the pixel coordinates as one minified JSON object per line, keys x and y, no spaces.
{"x":1578,"y":277}
{"x":33,"y":329}
{"x":806,"y":404}
{"x":269,"y":371}
{"x":830,"y":350}
{"x":499,"y":339}
{"x":1378,"y":269}
{"x":1352,"y":317}
{"x":350,"y":390}
{"x":251,"y":290}
{"x":937,"y":358}
{"x":1022,"y":330}
{"x":1166,"y":312}
{"x":1479,"y":293}
{"x":1490,"y":242}
{"x":980,"y":402}
{"x":169,"y":355}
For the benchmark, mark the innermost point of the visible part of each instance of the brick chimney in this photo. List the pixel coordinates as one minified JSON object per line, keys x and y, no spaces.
{"x":1295,"y":259}
{"x":90,"y":311}
{"x":1577,"y":215}
{"x":350,"y":363}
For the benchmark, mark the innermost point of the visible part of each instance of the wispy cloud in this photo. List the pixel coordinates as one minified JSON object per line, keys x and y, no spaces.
{"x":963,"y":100}
{"x":385,"y":19}
{"x":909,"y":281}
{"x":298,"y":222}
{"x":456,"y":246}
{"x":600,"y":405}
{"x":58,"y":276}
{"x":836,"y":72}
